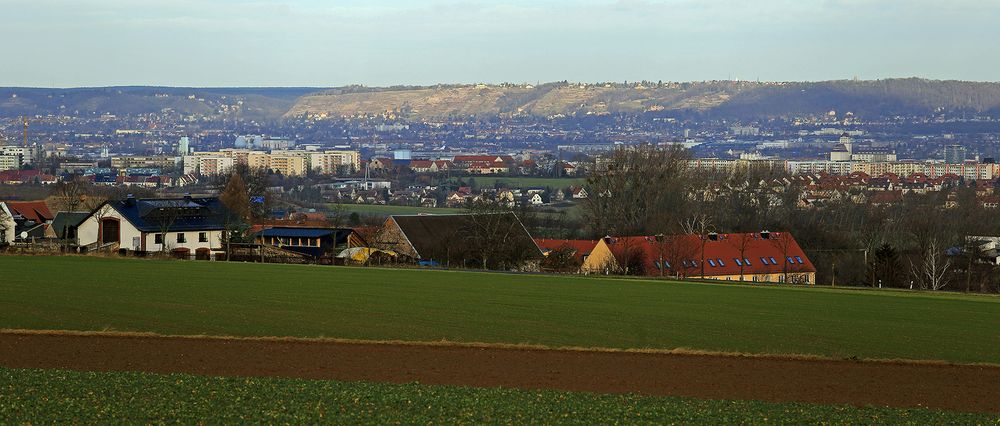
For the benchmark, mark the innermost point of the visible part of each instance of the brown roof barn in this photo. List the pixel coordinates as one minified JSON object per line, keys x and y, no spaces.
{"x":488,"y":241}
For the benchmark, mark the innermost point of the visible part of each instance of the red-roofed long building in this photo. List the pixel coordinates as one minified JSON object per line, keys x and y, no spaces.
{"x":757,"y":257}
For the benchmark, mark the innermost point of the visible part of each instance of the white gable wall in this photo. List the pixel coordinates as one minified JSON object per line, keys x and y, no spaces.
{"x":131,"y":238}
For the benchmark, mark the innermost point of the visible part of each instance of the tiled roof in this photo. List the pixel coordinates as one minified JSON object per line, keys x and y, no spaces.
{"x":723,"y":254}
{"x":36,"y":211}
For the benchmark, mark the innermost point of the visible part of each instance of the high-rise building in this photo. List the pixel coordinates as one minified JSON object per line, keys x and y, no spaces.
{"x":954,"y":154}
{"x":183,"y":147}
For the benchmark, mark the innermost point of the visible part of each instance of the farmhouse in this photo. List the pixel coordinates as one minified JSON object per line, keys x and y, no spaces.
{"x":179,"y":225}
{"x":759,"y":257}
{"x":31,"y":218}
{"x":480,"y":240}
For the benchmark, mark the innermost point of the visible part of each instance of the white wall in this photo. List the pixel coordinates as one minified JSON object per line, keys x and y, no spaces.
{"x":87,"y":233}
{"x":214,"y":241}
{"x":7,"y":224}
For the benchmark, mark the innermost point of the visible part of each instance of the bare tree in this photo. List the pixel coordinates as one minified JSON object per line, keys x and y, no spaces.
{"x":784,"y":242}
{"x":741,"y":242}
{"x":637,"y":184}
{"x":700,"y":225}
{"x":165,"y":215}
{"x":492,"y":234}
{"x":69,"y":196}
{"x":236,"y":220}
{"x":931,"y":269}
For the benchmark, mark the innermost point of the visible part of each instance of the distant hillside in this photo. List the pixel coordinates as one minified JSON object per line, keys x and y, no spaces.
{"x":728,"y":99}
{"x":250,"y":103}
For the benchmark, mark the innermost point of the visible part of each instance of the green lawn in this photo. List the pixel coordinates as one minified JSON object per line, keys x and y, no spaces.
{"x":66,"y":397}
{"x":187,"y":297}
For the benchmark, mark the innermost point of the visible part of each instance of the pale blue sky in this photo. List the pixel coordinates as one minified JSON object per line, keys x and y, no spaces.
{"x":63,"y":43}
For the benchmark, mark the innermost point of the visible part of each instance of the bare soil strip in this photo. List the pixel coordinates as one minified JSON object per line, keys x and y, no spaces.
{"x":895,"y":384}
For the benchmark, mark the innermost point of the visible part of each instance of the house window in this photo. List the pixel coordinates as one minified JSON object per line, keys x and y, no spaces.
{"x":694,"y":263}
{"x":711,"y":262}
{"x":746,"y":261}
{"x":181,"y":238}
{"x":666,"y":264}
{"x":738,"y":263}
{"x":798,"y":259}
{"x":763,"y":260}
{"x":721,"y":263}
{"x":158,"y":239}
{"x":203,"y":237}
{"x":773,"y":262}
{"x":790,"y":260}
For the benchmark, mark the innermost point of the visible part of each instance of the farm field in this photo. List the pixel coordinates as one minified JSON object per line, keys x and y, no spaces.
{"x":68,"y":397}
{"x":220,"y":299}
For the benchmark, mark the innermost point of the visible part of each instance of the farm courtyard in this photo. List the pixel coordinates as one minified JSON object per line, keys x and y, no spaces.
{"x":914,"y":357}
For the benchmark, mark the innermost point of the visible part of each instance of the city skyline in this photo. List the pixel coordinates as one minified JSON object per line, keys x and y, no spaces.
{"x":382,"y":43}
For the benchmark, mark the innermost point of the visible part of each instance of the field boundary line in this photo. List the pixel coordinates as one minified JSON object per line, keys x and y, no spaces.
{"x":486,"y":345}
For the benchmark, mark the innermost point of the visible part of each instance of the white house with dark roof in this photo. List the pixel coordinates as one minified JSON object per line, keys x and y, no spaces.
{"x":178,"y":225}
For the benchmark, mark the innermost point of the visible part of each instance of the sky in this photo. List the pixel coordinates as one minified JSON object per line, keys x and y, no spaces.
{"x":74,"y":43}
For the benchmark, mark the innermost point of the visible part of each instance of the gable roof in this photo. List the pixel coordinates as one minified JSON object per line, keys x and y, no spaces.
{"x":181,"y":214}
{"x":36,"y":211}
{"x":686,"y":250}
{"x":438,"y":236}
{"x":67,"y":220}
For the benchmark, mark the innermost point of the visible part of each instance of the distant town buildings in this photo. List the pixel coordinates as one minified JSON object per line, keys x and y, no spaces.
{"x":954,"y":154}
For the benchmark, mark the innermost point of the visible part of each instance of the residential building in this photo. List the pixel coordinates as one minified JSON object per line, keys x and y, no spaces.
{"x":758,"y":257}
{"x":133,"y":161}
{"x":954,"y":154}
{"x":183,"y":226}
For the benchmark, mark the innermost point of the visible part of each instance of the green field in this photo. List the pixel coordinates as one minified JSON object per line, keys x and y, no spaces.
{"x":380,"y":210}
{"x":67,"y":397}
{"x":189,"y":298}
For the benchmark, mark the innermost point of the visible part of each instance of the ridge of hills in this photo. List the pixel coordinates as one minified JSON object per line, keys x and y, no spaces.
{"x":718,"y":99}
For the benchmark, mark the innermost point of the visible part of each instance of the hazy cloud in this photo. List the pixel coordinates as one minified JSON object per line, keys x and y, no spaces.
{"x":379,"y":42}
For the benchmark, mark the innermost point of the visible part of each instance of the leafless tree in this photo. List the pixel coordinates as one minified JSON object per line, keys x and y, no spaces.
{"x":236,"y":220}
{"x":166,"y":214}
{"x":741,"y":241}
{"x":637,"y":184}
{"x":700,"y":225}
{"x":492,"y":233}
{"x":931,"y":270}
